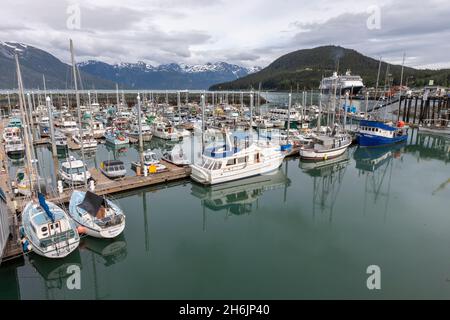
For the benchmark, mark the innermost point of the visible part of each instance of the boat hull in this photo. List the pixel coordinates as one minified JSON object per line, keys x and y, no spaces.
{"x":200,"y":176}
{"x":310,"y":154}
{"x":96,"y":232}
{"x":367,"y":140}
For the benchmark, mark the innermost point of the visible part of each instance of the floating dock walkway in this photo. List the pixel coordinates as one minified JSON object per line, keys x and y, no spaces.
{"x":102,"y":186}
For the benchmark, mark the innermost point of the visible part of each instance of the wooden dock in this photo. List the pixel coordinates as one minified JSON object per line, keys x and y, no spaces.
{"x":102,"y":186}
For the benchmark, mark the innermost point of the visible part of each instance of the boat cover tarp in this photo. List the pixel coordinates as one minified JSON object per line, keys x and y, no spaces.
{"x":91,"y":203}
{"x":44,"y":206}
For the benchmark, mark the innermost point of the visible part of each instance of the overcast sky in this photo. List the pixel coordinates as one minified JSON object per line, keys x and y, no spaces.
{"x":245,"y":32}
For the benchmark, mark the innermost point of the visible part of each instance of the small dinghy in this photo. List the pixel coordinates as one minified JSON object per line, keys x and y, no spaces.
{"x":47,"y":230}
{"x":113,"y":169}
{"x":98,"y":216}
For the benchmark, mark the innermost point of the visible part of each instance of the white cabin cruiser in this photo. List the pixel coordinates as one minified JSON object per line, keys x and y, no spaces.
{"x":74,"y":171}
{"x":226,"y":163}
{"x":87,"y":140}
{"x":68,"y":127}
{"x":151,"y":161}
{"x":176,"y":157}
{"x":165,"y":131}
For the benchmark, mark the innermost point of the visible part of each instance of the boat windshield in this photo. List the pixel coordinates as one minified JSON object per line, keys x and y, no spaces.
{"x":207,"y":163}
{"x":78,"y":170}
{"x":150,"y":157}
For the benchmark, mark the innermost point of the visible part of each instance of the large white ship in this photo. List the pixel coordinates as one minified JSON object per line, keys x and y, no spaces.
{"x":347,"y":82}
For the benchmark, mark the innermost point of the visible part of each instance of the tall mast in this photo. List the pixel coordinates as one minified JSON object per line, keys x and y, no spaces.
{"x":251,"y":115}
{"x":320,"y":112}
{"x":289,"y":117}
{"x":203,"y":121}
{"x":117,"y":97}
{"x":77,"y":95}
{"x":9,"y":103}
{"x":141,"y":144}
{"x":22,"y":111}
{"x":378,"y":79}
{"x":401,"y":83}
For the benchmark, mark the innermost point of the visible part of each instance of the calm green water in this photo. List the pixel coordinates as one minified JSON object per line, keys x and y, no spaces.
{"x":308,"y":231}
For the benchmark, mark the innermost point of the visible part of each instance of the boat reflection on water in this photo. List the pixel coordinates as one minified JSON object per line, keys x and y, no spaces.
{"x":116,"y":150}
{"x":327,"y":179}
{"x":55,"y":272}
{"x":238,"y":197}
{"x":376,"y":164}
{"x":110,"y":251}
{"x":370,"y":159}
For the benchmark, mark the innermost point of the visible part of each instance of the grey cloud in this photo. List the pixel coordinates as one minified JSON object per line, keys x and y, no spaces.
{"x":417,"y":29}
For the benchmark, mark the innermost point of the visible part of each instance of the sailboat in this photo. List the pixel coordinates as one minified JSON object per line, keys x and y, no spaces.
{"x":100,"y":217}
{"x":47,"y":230}
{"x":326,"y":146}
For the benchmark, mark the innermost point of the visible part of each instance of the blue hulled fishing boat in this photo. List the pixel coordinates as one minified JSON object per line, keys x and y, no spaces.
{"x":374,"y":133}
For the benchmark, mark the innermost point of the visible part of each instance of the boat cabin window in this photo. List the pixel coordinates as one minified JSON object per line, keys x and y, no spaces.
{"x":242,"y":159}
{"x":217,"y":165}
{"x":231,"y":162}
{"x":72,"y":170}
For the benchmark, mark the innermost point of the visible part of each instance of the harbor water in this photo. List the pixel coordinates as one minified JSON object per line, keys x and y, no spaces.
{"x":310,"y":230}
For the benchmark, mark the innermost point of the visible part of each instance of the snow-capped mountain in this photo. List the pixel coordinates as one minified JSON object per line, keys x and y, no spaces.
{"x":166,"y":76}
{"x":34,"y":63}
{"x":96,"y":74}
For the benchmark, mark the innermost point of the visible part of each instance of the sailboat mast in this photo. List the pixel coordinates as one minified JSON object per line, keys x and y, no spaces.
{"x":117,"y":97}
{"x":203,"y":122}
{"x":77,"y":95}
{"x":319,"y":117}
{"x":401,"y":83}
{"x":378,"y":79}
{"x":22,"y":111}
{"x":289,"y":117}
{"x":141,"y":144}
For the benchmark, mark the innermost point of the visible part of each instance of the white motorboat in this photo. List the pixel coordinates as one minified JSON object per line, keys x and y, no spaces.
{"x":163,"y":130}
{"x":113,"y":168}
{"x":324,"y":147}
{"x":146,"y":132}
{"x":14,"y":146}
{"x":68,"y":127}
{"x":87,"y":140}
{"x":74,"y":171}
{"x":227,"y":163}
{"x":151,"y":162}
{"x":176,"y":157}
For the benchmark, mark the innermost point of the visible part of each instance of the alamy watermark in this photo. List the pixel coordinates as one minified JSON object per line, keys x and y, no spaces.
{"x":373,"y":22}
{"x":73,"y":21}
{"x":374,"y":280}
{"x":74,"y":280}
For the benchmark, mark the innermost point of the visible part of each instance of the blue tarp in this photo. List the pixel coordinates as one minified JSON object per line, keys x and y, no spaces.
{"x":44,"y":206}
